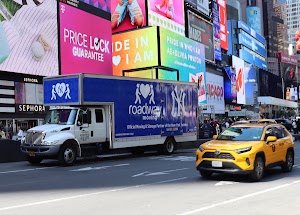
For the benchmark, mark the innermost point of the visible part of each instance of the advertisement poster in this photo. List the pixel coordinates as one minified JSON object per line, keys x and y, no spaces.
{"x":298,"y":41}
{"x":251,"y":43}
{"x":215,"y":94}
{"x":28,"y":37}
{"x":202,"y":5}
{"x":230,"y":93}
{"x":85,"y":42}
{"x":239,"y":65}
{"x":223,"y":24}
{"x":217,"y":33}
{"x":127,"y":16}
{"x":167,"y":14}
{"x":250,"y":83}
{"x":254,"y":18}
{"x":202,"y":32}
{"x":100,"y":4}
{"x":187,"y":56}
{"x":134,"y":49}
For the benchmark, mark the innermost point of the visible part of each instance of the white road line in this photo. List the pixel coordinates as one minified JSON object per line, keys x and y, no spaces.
{"x":25,"y":170}
{"x":87,"y":195}
{"x":238,"y":198}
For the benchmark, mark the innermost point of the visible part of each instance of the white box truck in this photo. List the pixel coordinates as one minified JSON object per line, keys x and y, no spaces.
{"x":92,"y":114}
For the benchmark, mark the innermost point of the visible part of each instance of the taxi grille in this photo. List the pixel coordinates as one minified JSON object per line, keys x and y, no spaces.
{"x":220,"y":156}
{"x":33,"y":138}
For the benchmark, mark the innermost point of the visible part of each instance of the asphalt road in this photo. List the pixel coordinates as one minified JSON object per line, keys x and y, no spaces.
{"x":151,"y":184}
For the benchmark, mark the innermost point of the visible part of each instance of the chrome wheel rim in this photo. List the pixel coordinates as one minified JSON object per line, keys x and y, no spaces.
{"x":69,"y":155}
{"x":170,"y":146}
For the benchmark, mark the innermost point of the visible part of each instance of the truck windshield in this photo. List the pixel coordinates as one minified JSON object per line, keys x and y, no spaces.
{"x":61,"y":116}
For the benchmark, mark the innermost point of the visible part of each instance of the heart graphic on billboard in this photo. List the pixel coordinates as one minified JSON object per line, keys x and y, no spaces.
{"x":116,"y":60}
{"x":60,"y":89}
{"x":145,"y":90}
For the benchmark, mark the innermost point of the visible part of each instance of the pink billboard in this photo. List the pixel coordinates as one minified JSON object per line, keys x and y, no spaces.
{"x":126,"y":15}
{"x":85,"y":42}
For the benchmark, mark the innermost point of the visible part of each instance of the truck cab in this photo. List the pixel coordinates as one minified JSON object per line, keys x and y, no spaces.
{"x":68,"y":132}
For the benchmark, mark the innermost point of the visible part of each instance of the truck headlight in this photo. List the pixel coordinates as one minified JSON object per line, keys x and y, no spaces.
{"x":48,"y":143}
{"x":243,"y":150}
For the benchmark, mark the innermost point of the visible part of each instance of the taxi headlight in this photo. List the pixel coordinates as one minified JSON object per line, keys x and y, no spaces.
{"x":243,"y":150}
{"x":201,"y":148}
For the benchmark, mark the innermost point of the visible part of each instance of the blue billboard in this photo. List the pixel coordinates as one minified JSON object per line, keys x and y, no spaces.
{"x":251,"y":43}
{"x":250,"y":82}
{"x":229,"y":29}
{"x":253,"y":15}
{"x":250,"y":31}
{"x":253,"y":58}
{"x":61,"y":91}
{"x":216,"y":24}
{"x":230,"y":90}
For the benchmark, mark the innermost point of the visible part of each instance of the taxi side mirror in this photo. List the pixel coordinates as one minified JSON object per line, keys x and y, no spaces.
{"x":271,"y":139}
{"x":214,"y":137}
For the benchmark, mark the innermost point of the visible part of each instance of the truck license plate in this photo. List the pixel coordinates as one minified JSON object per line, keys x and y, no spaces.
{"x":216,"y":163}
{"x":31,"y":154}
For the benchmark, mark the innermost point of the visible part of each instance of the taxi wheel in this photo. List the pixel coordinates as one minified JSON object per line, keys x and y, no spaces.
{"x":289,"y":162}
{"x":259,"y":168}
{"x":205,"y":174}
{"x":34,"y":160}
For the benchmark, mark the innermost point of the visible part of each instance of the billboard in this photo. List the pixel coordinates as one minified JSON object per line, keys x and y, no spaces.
{"x":28,"y":37}
{"x":203,"y":6}
{"x":215,"y":93}
{"x":202,"y":32}
{"x":134,"y":49}
{"x":230,"y":85}
{"x":85,"y":42}
{"x":217,"y":35}
{"x":288,"y":59}
{"x":100,"y":4}
{"x":250,"y":83}
{"x":170,"y":17}
{"x":253,"y":58}
{"x":250,"y":31}
{"x":239,"y":65}
{"x":251,"y":43}
{"x":223,"y":24}
{"x":298,"y":41}
{"x":253,"y":15}
{"x":127,"y":16}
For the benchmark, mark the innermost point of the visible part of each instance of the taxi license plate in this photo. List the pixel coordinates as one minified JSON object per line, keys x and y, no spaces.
{"x":216,"y":163}
{"x":31,"y":154}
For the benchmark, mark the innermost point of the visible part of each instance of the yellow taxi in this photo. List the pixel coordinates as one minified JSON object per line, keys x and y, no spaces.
{"x":247,"y":149}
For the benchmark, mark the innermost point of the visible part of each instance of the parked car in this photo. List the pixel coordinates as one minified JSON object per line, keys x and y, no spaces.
{"x":247,"y":149}
{"x":206,"y":131}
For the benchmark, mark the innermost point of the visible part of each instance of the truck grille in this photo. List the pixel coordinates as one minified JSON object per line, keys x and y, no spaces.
{"x":33,"y":138}
{"x":220,"y":156}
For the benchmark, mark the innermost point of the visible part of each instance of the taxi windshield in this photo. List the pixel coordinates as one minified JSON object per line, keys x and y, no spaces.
{"x":241,"y":134}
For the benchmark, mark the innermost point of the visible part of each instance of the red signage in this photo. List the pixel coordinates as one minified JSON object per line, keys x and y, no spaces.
{"x":223,"y":24}
{"x":288,"y":59}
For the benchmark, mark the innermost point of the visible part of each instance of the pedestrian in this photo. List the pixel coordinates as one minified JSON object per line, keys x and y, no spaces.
{"x":294,"y":124}
{"x":20,"y":134}
{"x":298,"y":125}
{"x":2,"y":134}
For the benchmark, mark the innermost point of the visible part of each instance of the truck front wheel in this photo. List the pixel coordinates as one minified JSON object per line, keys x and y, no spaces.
{"x":67,"y":154}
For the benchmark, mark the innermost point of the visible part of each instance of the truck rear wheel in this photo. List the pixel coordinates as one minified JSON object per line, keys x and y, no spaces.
{"x":168,"y":147}
{"x":34,"y":160}
{"x":67,"y":154}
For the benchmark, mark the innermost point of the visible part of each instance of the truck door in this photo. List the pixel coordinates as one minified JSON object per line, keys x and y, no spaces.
{"x":172,"y":111}
{"x":82,"y":128}
{"x":98,"y":126}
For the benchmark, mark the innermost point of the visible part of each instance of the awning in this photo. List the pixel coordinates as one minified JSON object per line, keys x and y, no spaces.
{"x":276,"y":101}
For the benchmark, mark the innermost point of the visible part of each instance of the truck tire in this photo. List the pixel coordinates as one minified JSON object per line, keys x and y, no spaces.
{"x":34,"y":160}
{"x":289,"y":162}
{"x":67,"y":154}
{"x":259,"y":168}
{"x":168,"y":147}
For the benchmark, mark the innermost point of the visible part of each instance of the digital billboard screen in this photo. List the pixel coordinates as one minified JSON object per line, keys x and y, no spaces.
{"x":28,"y":37}
{"x":202,"y":32}
{"x":254,"y":18}
{"x":223,"y":24}
{"x":85,"y":41}
{"x":239,"y":65}
{"x":298,"y":41}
